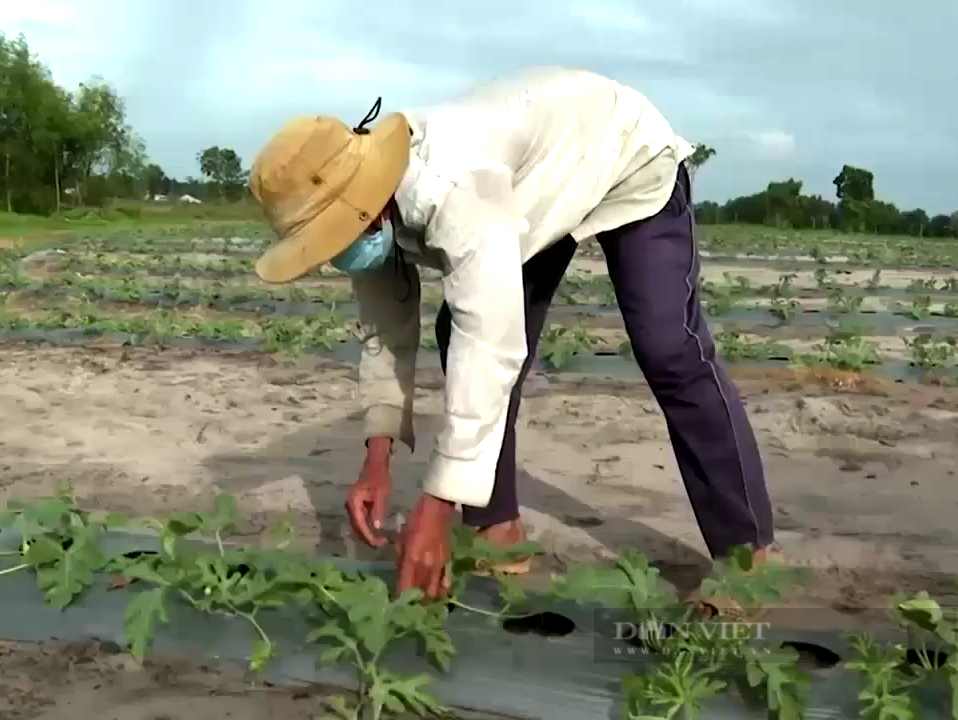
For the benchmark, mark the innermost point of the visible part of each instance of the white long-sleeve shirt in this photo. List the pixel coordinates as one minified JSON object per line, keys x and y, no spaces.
{"x":494,"y":178}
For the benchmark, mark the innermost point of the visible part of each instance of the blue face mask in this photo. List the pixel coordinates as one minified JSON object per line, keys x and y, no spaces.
{"x":368,"y":252}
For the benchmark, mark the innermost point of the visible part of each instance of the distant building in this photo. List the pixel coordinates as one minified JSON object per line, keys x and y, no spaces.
{"x":190,"y":199}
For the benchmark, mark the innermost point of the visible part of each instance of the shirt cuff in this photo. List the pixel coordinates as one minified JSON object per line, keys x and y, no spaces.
{"x":391,"y":421}
{"x":464,"y":482}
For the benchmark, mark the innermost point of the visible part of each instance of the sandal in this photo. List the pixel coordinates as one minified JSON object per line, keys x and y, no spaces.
{"x":720,"y":606}
{"x":725,"y":608}
{"x":519,"y":567}
{"x":514,"y":535}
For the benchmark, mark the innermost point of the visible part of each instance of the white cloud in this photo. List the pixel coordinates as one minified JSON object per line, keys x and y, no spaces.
{"x":45,"y":12}
{"x":774,"y":143}
{"x":609,"y":15}
{"x":293,"y":66}
{"x":324,"y":76}
{"x":759,"y":13}
{"x":744,"y":76}
{"x":75,"y":39}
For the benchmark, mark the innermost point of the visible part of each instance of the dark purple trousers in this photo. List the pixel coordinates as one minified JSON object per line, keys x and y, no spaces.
{"x":654,"y":267}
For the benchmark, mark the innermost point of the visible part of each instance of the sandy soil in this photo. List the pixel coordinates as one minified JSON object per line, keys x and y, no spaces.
{"x":758,"y":275}
{"x":863,"y":483}
{"x":91,"y":681}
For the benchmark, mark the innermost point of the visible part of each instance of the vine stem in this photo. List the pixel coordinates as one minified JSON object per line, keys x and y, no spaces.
{"x":230,"y":611}
{"x":498,"y":614}
{"x":251,"y":619}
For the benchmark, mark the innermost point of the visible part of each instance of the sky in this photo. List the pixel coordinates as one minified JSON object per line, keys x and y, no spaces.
{"x":780,"y":88}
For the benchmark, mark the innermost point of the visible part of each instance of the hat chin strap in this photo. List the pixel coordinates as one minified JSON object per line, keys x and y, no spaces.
{"x":373,"y":113}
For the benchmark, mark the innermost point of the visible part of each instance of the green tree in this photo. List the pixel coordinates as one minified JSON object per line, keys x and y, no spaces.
{"x":783,"y":206}
{"x":751,"y":209}
{"x":854,"y":183}
{"x":56,"y":144}
{"x":21,"y":80}
{"x":52,"y":138}
{"x":157,"y":183}
{"x":855,"y":188}
{"x":940,"y":226}
{"x":882,"y":218}
{"x":105,"y":144}
{"x":914,"y":222}
{"x":818,"y":212}
{"x":702,"y":154}
{"x":224,"y":169}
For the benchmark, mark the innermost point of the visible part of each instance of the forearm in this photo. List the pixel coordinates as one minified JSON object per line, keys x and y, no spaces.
{"x":479,"y":383}
{"x":387,"y":392}
{"x":389,"y":318}
{"x":378,"y":449}
{"x":487,"y":346}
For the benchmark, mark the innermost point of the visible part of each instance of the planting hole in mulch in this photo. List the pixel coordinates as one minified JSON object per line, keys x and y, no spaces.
{"x":544,"y":624}
{"x":813,"y":656}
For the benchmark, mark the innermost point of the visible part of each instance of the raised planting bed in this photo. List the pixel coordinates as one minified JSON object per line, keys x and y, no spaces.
{"x":563,"y":349}
{"x":156,"y":244}
{"x":232,"y":269}
{"x":230,"y":298}
{"x":578,"y":349}
{"x":338,"y":350}
{"x":617,"y":368}
{"x":595,"y":639}
{"x":837,"y":262}
{"x":163,"y":264}
{"x":756,"y":319}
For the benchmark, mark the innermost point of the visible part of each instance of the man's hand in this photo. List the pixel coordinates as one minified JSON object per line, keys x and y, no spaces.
{"x":424,"y":549}
{"x":368,"y":499}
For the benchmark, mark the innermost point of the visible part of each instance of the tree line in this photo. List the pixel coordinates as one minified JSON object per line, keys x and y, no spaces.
{"x":70,"y":148}
{"x":855,"y":208}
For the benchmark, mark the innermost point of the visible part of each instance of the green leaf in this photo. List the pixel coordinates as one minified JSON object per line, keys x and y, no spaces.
{"x":585,"y":582}
{"x":951,"y":670}
{"x":922,"y":611}
{"x":184,"y":523}
{"x":762,"y":583}
{"x":143,"y":612}
{"x":742,"y":558}
{"x":72,"y":572}
{"x":330,"y":630}
{"x":511,"y":590}
{"x":340,"y":708}
{"x":48,"y":513}
{"x":410,"y":694}
{"x":436,"y":640}
{"x":43,"y":549}
{"x":114,"y":520}
{"x":8,"y":518}
{"x":332,"y":655}
{"x":168,"y":542}
{"x":224,"y":515}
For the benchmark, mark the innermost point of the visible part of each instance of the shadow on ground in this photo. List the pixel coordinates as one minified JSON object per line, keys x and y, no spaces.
{"x":327,"y":458}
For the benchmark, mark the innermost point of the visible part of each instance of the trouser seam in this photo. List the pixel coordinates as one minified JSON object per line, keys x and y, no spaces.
{"x":711,"y":365}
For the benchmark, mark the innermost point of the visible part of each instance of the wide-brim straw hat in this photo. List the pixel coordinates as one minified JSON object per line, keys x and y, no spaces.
{"x":321,"y":184}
